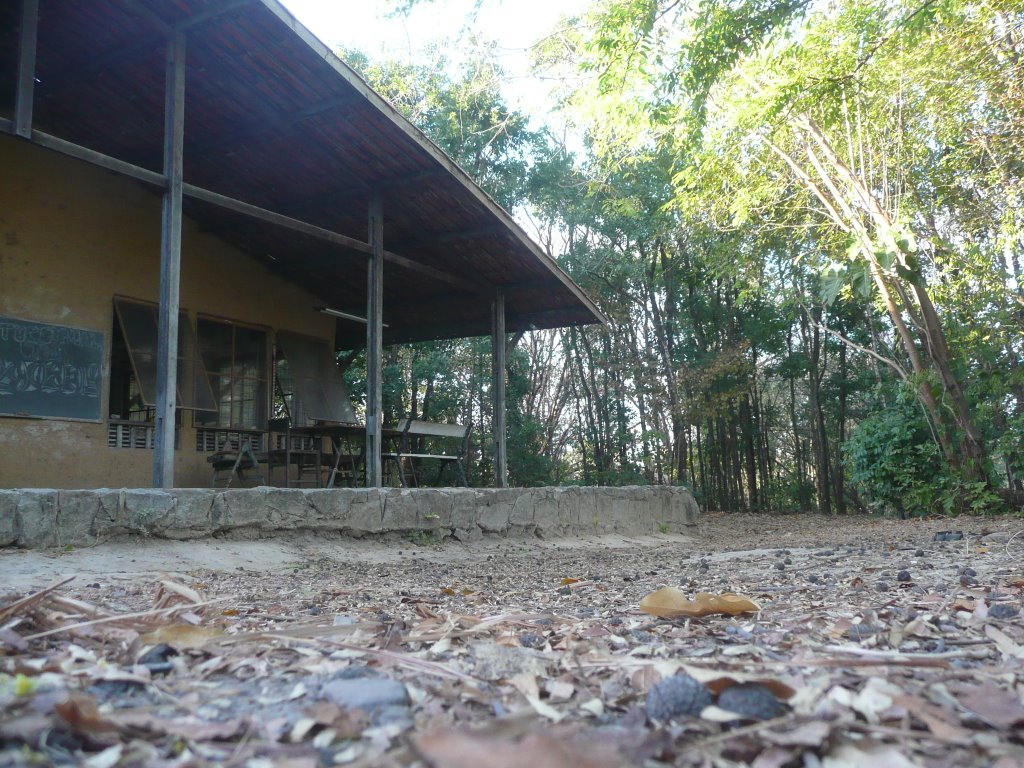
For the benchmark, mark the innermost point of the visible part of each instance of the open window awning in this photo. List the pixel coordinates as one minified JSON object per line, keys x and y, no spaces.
{"x":284,"y":148}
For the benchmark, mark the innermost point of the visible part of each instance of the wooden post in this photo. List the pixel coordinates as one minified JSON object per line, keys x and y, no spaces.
{"x":26,"y":68}
{"x":170,"y":264}
{"x":374,"y":349}
{"x":498,"y":389}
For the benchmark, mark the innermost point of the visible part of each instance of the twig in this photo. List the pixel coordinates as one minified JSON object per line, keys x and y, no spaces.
{"x":905,"y":736}
{"x":401,"y":659}
{"x":876,"y":653}
{"x":1006,"y":548}
{"x":125,"y":616}
{"x":7,"y":610}
{"x":735,"y":732}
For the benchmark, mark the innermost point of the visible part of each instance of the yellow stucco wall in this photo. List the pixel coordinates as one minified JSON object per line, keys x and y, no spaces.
{"x":72,"y":236}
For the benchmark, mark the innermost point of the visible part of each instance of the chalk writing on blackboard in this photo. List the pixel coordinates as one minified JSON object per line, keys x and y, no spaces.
{"x":50,"y":370}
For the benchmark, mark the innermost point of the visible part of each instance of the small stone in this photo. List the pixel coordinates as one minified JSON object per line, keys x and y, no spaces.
{"x":366,"y":693}
{"x":677,"y":696}
{"x":752,"y":700}
{"x":788,"y":561}
{"x":881,"y":586}
{"x":814,"y":578}
{"x":919,"y":553}
{"x":968,"y":571}
{"x":1003,"y":611}
{"x":903,"y":575}
{"x":564,"y":591}
{"x":968,"y":581}
{"x":780,"y":566}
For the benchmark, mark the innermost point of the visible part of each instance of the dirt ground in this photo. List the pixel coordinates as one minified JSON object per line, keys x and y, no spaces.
{"x":869,"y":642}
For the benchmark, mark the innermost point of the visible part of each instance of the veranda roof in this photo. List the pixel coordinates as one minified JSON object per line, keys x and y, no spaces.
{"x":284,"y":147}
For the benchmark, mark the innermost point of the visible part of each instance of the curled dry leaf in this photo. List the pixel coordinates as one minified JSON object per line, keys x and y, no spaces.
{"x":182,"y":636}
{"x":670,"y":602}
{"x":82,"y":714}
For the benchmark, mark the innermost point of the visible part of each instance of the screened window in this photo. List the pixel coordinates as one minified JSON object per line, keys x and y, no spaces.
{"x":133,"y":363}
{"x":309,"y":381}
{"x":235,"y":357}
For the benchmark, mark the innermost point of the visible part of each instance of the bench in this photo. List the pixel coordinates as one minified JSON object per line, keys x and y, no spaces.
{"x":421,"y":441}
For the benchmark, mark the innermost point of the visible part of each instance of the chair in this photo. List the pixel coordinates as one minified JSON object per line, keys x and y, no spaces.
{"x":428,"y":440}
{"x":233,"y":458}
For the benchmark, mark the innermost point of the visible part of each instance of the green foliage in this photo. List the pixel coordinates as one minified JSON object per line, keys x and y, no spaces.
{"x":893,"y":461}
{"x":897,"y":467}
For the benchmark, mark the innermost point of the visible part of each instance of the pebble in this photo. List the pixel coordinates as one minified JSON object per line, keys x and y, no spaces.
{"x":677,"y":696}
{"x":919,"y":553}
{"x":780,"y":566}
{"x":752,"y":700}
{"x":369,"y":694}
{"x":881,"y":586}
{"x":903,"y":575}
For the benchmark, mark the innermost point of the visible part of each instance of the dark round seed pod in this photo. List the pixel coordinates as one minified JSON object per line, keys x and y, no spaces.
{"x":677,"y":696}
{"x":1003,"y":611}
{"x":752,"y":700}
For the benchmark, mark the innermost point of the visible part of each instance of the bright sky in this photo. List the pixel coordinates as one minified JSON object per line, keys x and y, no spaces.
{"x":515,"y":25}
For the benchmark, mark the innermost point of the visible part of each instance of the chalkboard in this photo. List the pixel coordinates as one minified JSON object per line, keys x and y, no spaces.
{"x":50,"y":370}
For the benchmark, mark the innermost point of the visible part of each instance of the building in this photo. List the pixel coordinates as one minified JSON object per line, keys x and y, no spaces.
{"x":191,"y":189}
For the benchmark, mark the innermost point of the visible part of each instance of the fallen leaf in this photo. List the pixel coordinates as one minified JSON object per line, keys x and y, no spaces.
{"x":1004,"y":643}
{"x":993,"y":705}
{"x":526,"y":684}
{"x":182,"y":636}
{"x":457,"y":749}
{"x":850,"y":756}
{"x":82,"y":715}
{"x":559,"y":689}
{"x":875,"y":699}
{"x":567,"y":581}
{"x":190,"y":728}
{"x":670,"y":602}
{"x":812,"y":734}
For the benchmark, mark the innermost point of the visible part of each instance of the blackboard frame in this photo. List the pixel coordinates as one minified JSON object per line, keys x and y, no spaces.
{"x":83,"y":354}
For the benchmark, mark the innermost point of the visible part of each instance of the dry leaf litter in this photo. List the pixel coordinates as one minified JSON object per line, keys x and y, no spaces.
{"x":780,"y":641}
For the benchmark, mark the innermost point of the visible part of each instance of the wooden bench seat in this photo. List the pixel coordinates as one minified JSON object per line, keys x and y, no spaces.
{"x":429,"y":441}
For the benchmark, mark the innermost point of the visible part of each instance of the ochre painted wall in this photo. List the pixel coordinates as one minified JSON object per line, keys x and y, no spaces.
{"x":72,"y":236}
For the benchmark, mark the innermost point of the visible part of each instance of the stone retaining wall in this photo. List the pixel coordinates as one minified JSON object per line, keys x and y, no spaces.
{"x":35,"y":518}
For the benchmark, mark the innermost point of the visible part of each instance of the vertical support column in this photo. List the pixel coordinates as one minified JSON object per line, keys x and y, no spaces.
{"x":374,"y":348}
{"x":498,"y":389}
{"x":170,"y":264}
{"x":24,"y":96}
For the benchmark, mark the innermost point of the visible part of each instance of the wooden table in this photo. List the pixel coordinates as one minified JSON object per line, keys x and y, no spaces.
{"x":341,"y":434}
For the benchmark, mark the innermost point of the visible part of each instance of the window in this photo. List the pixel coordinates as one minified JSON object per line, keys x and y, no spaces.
{"x":133,"y":363}
{"x":309,"y":381}
{"x":235,"y":357}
